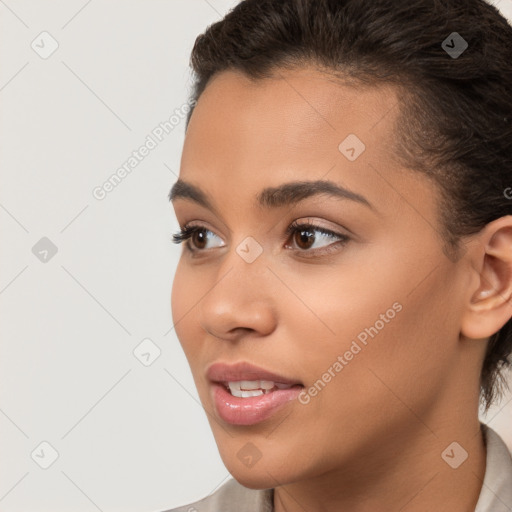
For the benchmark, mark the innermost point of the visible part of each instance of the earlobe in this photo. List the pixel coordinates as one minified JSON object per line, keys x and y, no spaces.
{"x":490,"y":305}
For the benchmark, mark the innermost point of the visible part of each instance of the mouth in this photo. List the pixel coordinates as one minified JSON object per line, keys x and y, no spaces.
{"x":250,"y":388}
{"x":246,"y":377}
{"x":244,"y":394}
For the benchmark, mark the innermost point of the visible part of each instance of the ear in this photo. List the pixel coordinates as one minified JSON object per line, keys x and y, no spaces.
{"x":490,"y":304}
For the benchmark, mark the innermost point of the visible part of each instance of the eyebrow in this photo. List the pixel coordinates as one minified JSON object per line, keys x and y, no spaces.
{"x":273,"y":197}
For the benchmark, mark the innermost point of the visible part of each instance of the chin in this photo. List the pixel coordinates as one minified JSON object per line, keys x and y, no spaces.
{"x":254,"y":479}
{"x":263,"y":474}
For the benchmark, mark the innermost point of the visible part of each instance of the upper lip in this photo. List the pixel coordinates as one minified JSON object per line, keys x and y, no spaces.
{"x":222,"y":372}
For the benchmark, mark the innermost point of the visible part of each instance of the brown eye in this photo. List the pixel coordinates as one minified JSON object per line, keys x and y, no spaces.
{"x":305,"y":236}
{"x":199,"y":238}
{"x":195,"y":237}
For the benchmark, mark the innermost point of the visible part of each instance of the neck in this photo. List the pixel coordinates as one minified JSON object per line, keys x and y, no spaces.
{"x":407,"y":472}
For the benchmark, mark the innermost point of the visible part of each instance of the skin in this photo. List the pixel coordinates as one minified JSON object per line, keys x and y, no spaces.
{"x":372,"y":439}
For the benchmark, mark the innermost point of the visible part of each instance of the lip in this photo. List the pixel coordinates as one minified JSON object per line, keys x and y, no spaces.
{"x":222,"y":372}
{"x":251,"y":410}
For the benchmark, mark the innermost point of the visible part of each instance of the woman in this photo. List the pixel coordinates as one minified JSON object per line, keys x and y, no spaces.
{"x":343,"y":294}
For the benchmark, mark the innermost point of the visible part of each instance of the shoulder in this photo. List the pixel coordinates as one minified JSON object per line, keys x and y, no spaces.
{"x":232,"y":497}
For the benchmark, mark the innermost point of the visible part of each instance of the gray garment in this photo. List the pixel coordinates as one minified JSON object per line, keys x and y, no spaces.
{"x":232,"y":497}
{"x":496,"y":492}
{"x":495,"y":495}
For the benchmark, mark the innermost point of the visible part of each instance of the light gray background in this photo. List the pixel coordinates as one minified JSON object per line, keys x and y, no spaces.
{"x":129,"y":436}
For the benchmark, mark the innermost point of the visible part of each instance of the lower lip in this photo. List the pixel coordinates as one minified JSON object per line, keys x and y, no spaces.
{"x":251,"y":410}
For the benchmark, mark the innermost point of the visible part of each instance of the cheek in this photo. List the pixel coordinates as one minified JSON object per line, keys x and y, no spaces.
{"x":387,"y":330}
{"x":183,"y":298}
{"x":331,"y":309}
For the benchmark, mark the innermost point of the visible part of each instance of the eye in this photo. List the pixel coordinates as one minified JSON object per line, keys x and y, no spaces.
{"x":193,"y":233}
{"x":304,"y":236}
{"x":301,"y":234}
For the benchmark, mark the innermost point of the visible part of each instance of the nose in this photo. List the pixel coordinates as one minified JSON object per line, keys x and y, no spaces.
{"x":241,"y":300}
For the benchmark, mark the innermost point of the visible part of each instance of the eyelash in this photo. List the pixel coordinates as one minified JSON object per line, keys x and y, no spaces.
{"x":188,"y":231}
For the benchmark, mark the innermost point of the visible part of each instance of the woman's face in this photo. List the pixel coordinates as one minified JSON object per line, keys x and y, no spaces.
{"x":365,"y":321}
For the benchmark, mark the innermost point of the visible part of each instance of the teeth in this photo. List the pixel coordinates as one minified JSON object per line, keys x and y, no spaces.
{"x":248,"y":388}
{"x":256,"y":384}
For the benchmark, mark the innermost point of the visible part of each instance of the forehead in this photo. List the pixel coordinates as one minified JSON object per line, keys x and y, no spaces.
{"x":245,"y":135}
{"x":299,"y":104}
{"x":300,"y":114}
